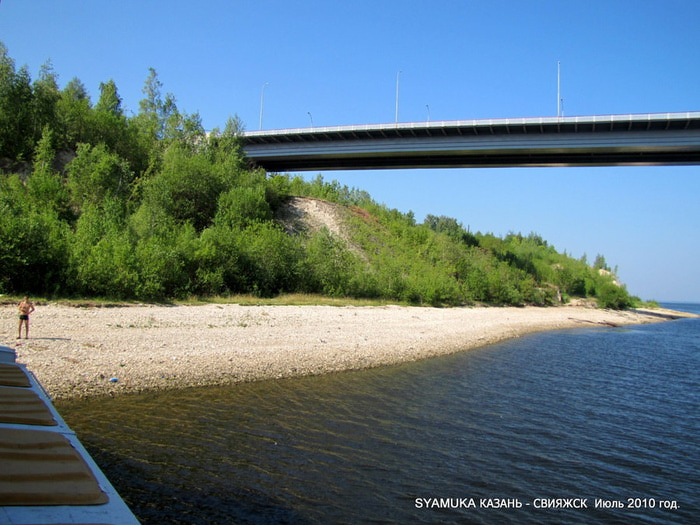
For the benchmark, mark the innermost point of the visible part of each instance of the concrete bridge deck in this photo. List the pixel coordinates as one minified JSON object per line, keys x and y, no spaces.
{"x":599,"y":140}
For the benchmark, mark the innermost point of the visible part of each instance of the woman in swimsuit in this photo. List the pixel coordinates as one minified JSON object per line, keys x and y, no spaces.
{"x":25,"y":308}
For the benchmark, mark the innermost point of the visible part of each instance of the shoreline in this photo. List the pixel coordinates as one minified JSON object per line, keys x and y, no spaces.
{"x":105,"y":351}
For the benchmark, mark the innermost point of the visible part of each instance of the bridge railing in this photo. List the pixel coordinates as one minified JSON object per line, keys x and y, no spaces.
{"x":497,"y":122}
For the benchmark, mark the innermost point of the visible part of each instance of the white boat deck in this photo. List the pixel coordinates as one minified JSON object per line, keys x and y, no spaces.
{"x":46,"y":475}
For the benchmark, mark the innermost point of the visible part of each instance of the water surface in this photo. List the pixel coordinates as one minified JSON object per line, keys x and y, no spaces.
{"x":558,"y":418}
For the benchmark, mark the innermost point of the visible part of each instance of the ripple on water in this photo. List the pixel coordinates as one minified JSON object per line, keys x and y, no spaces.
{"x":590,"y":414}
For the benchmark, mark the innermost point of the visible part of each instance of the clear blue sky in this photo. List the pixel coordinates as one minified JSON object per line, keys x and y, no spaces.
{"x":338,"y":61}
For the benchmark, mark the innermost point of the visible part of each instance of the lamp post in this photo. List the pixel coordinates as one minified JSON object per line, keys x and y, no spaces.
{"x":427,"y":106}
{"x":397,"y":95}
{"x":311,"y":117}
{"x":262,"y":101}
{"x":558,"y":89}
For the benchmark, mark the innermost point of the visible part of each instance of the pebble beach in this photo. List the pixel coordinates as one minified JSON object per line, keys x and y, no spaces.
{"x":98,"y":351}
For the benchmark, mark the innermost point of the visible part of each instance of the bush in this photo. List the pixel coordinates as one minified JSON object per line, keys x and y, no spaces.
{"x":33,"y":243}
{"x":218,"y":262}
{"x":108,"y":268}
{"x":151,"y":207}
{"x":612,"y":296}
{"x":269,"y":259}
{"x":329,"y":267}
{"x":186,"y":189}
{"x":96,"y":174}
{"x":242,"y":206}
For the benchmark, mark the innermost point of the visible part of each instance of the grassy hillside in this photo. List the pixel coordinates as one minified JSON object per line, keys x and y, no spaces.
{"x":95,"y":203}
{"x":359,"y":248}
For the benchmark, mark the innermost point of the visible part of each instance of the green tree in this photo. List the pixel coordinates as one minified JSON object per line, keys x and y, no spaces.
{"x":109,"y":125}
{"x":186,"y":189}
{"x":95,"y":174}
{"x":166,"y":264}
{"x":110,"y":101}
{"x":186,"y":129}
{"x":450,"y":227}
{"x":269,"y":259}
{"x":242,"y":206}
{"x":73,"y":115}
{"x":33,"y":243}
{"x":16,"y":119}
{"x":600,"y":264}
{"x":44,"y":100}
{"x":156,"y":111}
{"x":611,"y":295}
{"x":329,"y":267}
{"x":45,"y":187}
{"x":103,"y":262}
{"x":218,"y":261}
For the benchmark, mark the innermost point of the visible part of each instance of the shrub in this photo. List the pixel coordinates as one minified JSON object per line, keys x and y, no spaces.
{"x":611,"y":295}
{"x":329,"y":266}
{"x":269,"y":259}
{"x":242,"y":206}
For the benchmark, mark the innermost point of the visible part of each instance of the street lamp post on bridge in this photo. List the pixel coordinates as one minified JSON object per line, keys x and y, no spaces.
{"x":397,"y":95}
{"x":262,"y":102}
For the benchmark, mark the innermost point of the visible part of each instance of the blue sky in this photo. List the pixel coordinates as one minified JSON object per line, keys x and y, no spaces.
{"x":336,"y":63}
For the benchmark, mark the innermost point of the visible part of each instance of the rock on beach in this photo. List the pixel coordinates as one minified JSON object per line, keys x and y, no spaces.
{"x":94,"y":351}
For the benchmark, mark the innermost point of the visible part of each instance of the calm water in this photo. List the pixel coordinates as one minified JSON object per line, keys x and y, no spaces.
{"x":575,"y":416}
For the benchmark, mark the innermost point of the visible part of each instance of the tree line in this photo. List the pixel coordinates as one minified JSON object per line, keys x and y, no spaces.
{"x":95,"y":203}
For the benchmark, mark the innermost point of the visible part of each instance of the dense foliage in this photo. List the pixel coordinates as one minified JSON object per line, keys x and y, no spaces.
{"x":150,"y":207}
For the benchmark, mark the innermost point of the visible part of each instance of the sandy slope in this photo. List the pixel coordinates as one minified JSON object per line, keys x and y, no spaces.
{"x":77,"y":351}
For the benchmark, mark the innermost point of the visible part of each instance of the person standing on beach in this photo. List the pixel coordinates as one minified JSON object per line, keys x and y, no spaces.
{"x":26,"y":307}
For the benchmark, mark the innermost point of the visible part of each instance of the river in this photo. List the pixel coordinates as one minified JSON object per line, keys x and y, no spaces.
{"x":592,"y":425}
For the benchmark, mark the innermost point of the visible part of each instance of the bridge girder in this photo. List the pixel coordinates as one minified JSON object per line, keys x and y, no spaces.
{"x":613,"y":140}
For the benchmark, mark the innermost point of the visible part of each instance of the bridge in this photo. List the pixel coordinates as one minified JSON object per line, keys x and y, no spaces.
{"x":601,"y":140}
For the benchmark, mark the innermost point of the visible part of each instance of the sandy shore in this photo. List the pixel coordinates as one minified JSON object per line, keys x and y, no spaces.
{"x":102,"y":351}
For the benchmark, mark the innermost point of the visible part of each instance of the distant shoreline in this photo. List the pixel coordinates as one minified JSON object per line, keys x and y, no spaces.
{"x":78,"y":352}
